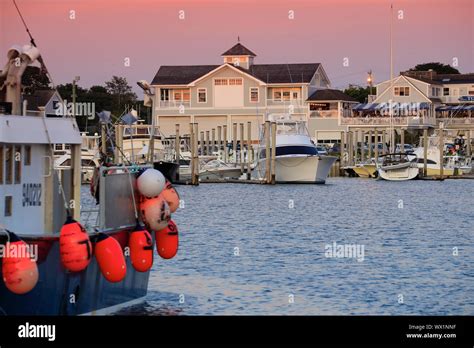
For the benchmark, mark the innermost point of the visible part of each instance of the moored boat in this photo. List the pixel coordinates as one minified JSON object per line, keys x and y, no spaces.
{"x":297,"y":159}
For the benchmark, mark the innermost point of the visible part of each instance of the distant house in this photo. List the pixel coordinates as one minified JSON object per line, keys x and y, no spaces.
{"x":237,"y":91}
{"x":326,"y":107}
{"x":43,"y":101}
{"x":421,"y":99}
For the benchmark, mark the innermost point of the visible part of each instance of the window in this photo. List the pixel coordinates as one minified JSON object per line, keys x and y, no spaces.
{"x":181,"y":95}
{"x":220,"y":82}
{"x":286,"y":94}
{"x":235,"y":82}
{"x":202,"y":95}
{"x":18,"y":164}
{"x":8,"y":205}
{"x":471,"y":92}
{"x":402,"y":91}
{"x":8,"y":164}
{"x":165,"y":94}
{"x":446,"y":91}
{"x":27,"y":156}
{"x":1,"y":164}
{"x":186,"y":95}
{"x":254,"y":95}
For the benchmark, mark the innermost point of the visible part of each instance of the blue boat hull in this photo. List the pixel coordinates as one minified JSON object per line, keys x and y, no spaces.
{"x":59,"y":292}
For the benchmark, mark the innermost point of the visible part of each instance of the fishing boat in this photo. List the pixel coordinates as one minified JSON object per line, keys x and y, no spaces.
{"x":452,"y":164}
{"x":397,"y":167}
{"x":297,"y":159}
{"x":51,"y":264}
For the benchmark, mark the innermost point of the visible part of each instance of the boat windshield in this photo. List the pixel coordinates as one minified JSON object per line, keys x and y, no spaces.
{"x":291,"y":128}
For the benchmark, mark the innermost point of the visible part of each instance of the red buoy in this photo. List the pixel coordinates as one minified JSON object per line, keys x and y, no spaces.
{"x":141,"y":249}
{"x":170,"y":195}
{"x":110,"y":259}
{"x":20,"y":272}
{"x":74,"y":246}
{"x":167,"y":241}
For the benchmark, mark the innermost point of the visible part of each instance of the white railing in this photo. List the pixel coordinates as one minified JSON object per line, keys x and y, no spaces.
{"x":324,"y":114}
{"x":172,"y":104}
{"x":279,"y":102}
{"x":449,"y":121}
{"x":385,"y":121}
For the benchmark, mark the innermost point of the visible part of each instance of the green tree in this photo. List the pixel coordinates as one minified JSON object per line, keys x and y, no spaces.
{"x":34,"y":78}
{"x":121,"y":92}
{"x":65,"y":91}
{"x":359,"y":93}
{"x":440,"y":68}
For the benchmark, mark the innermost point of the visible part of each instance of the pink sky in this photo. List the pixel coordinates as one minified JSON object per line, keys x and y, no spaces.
{"x":105,"y":32}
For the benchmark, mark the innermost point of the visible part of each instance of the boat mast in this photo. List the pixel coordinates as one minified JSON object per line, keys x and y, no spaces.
{"x":391,"y":137}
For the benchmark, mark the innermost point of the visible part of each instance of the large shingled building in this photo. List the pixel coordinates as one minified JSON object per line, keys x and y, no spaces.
{"x":238,"y":91}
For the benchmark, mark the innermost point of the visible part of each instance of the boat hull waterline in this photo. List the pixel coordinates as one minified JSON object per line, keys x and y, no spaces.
{"x":302,"y":169}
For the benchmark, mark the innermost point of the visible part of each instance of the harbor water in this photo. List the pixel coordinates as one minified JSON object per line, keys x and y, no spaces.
{"x":271,"y":250}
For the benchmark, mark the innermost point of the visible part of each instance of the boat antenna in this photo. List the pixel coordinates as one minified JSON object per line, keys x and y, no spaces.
{"x":33,"y":43}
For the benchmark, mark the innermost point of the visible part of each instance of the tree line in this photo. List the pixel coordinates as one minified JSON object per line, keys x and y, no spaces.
{"x":114,"y":95}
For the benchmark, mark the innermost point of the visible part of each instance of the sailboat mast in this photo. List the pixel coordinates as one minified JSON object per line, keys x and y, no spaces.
{"x":392,"y":148}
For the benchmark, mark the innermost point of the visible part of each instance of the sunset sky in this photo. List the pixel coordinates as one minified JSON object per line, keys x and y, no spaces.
{"x":95,"y":44}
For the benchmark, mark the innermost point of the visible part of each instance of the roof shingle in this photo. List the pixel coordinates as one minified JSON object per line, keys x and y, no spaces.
{"x":239,"y":50}
{"x":268,"y":73}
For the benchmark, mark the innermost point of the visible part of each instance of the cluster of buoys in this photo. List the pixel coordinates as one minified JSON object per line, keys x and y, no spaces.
{"x":158,"y":200}
{"x":19,"y":269}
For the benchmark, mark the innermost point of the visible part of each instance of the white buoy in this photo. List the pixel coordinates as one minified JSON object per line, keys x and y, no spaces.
{"x":151,"y":182}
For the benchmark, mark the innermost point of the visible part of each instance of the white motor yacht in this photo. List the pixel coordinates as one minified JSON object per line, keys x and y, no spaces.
{"x":297,"y":159}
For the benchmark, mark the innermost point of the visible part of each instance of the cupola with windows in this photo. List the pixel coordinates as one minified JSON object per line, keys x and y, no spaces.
{"x":239,"y":55}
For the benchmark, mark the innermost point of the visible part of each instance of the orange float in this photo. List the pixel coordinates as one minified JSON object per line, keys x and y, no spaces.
{"x":170,"y":195}
{"x":155,"y":213}
{"x":141,"y":249}
{"x":167,"y":241}
{"x":74,"y":246}
{"x":20,"y":272}
{"x":110,"y":258}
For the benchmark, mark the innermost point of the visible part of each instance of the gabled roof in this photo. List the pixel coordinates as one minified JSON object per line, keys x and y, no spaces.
{"x":239,"y":50}
{"x":230,"y":66}
{"x":267,"y":73}
{"x":181,"y":74}
{"x":39,"y":98}
{"x":330,"y":94}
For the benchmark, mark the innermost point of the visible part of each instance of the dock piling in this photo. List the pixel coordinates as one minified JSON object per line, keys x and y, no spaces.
{"x":249,"y":148}
{"x":272,"y":169}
